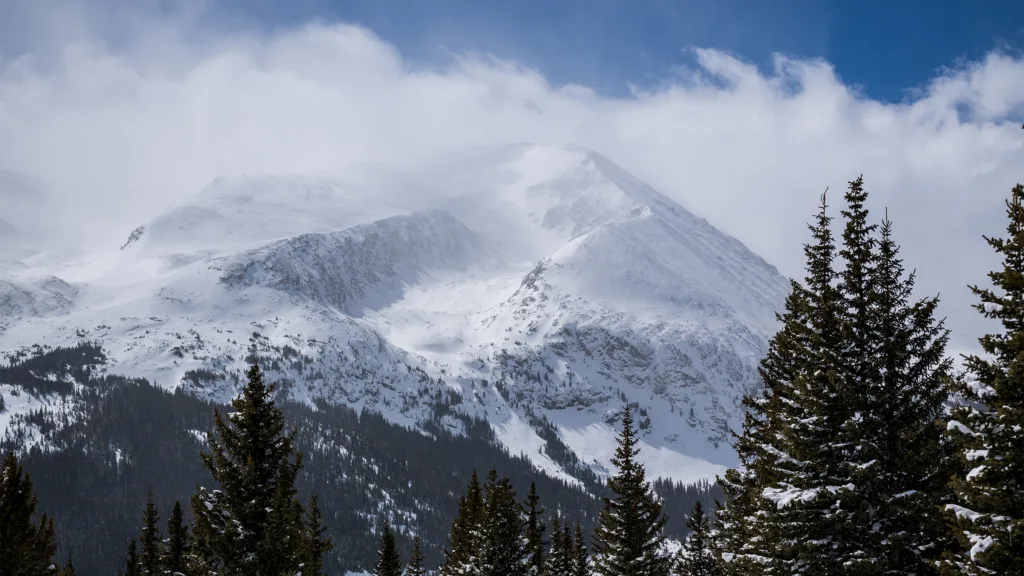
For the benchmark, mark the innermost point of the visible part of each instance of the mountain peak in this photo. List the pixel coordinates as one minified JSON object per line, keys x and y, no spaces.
{"x":529,"y":280}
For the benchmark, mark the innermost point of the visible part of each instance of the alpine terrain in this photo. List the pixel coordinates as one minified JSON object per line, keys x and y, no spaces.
{"x":528,"y":291}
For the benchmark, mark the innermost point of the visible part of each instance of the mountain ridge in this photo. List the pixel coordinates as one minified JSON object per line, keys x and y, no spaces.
{"x":511,"y":283}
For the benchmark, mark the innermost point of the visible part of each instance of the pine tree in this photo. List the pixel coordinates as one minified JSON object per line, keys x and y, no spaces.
{"x":132,"y":565}
{"x":629,"y":540}
{"x":462,"y":553}
{"x":697,"y":557}
{"x":901,"y":465}
{"x":535,"y":529}
{"x":779,"y":516}
{"x":416,"y":560}
{"x":26,"y":547}
{"x":388,"y":561}
{"x":178,"y":546}
{"x":254,"y":523}
{"x":581,"y":562}
{"x":149,"y":559}
{"x":317,"y":543}
{"x":505,"y":546}
{"x":69,"y":567}
{"x":561,"y":561}
{"x":988,"y":424}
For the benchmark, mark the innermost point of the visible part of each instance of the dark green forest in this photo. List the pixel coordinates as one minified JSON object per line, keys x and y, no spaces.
{"x":110,"y":439}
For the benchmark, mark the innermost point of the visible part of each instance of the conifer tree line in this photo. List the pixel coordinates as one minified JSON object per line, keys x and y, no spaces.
{"x":496,"y":534}
{"x":863,"y":454}
{"x":852,"y":460}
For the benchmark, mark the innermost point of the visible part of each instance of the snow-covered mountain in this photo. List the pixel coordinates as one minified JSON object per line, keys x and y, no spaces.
{"x":525,"y":282}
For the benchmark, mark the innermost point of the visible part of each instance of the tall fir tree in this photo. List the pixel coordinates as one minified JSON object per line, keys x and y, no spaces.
{"x":462,"y":552}
{"x":779,"y":516}
{"x":561,"y":560}
{"x":69,"y":567}
{"x":629,"y":539}
{"x":581,"y":564}
{"x":988,"y":423}
{"x":535,"y":528}
{"x":132,"y":565}
{"x":698,"y":558}
{"x":254,"y":523}
{"x":178,"y":546}
{"x":505,"y":550}
{"x":843,"y":466}
{"x":417,"y":563}
{"x":27,"y":546}
{"x":317,"y":543}
{"x":389,"y":563}
{"x":901,"y":465}
{"x":151,"y":555}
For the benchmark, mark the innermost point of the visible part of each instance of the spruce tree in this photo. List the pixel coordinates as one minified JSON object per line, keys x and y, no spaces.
{"x":581,"y":562}
{"x":149,"y":559}
{"x":779,"y":516}
{"x":178,"y":546}
{"x":132,"y":565}
{"x":317,"y":542}
{"x":988,"y":423}
{"x":253,"y":524}
{"x":462,"y":553}
{"x":27,"y":547}
{"x":697,"y":557}
{"x":388,"y":561}
{"x":416,"y":561}
{"x":901,"y":464}
{"x":69,"y":567}
{"x":561,"y":561}
{"x":629,"y":540}
{"x":535,"y":529}
{"x":505,"y":546}
{"x":842,"y":464}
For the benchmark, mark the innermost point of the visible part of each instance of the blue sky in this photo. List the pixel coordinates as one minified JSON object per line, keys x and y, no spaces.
{"x":884,"y":47}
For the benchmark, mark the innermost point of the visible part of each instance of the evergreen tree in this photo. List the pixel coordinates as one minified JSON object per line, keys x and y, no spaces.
{"x":149,"y":559}
{"x":561,"y":561}
{"x":132,"y":565}
{"x":505,"y":546}
{"x":416,"y":560}
{"x":535,"y":533}
{"x":629,"y":540}
{"x":388,"y":561}
{"x":579,"y":545}
{"x":843,"y":464}
{"x":254,"y":523}
{"x":988,"y":423}
{"x":779,"y":516}
{"x":69,"y":567}
{"x":901,"y":465}
{"x":26,"y":547}
{"x":178,"y":546}
{"x":462,"y":554}
{"x":317,"y":542}
{"x":697,"y":557}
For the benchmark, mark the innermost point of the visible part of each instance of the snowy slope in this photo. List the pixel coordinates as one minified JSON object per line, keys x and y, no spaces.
{"x":534,"y":282}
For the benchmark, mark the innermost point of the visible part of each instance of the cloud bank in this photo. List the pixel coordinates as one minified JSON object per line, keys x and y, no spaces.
{"x":115,"y":130}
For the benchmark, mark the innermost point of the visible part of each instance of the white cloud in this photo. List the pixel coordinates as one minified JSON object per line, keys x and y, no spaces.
{"x":115,"y":134}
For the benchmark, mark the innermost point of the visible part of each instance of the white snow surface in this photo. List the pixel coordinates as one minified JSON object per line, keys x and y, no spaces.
{"x":528,"y":275}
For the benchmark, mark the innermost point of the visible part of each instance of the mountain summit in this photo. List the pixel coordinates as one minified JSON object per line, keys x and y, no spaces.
{"x":541,"y":286}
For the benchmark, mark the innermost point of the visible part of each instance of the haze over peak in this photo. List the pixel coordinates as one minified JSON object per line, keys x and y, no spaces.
{"x":531,"y":275}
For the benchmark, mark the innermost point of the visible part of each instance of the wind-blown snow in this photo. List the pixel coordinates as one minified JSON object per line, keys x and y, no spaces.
{"x":541,"y":276}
